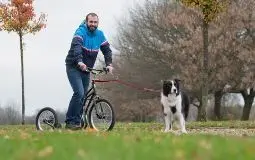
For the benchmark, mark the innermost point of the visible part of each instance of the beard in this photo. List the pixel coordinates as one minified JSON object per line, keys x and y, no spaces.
{"x":91,"y":28}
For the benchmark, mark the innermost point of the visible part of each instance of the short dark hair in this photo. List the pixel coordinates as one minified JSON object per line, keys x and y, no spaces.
{"x":91,"y":14}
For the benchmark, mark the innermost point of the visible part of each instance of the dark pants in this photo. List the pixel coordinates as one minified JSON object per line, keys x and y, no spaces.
{"x":79,"y":82}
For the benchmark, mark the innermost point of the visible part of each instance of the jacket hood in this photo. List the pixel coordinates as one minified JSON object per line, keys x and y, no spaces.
{"x":84,"y":25}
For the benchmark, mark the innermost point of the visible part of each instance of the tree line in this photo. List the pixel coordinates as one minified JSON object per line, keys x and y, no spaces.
{"x":135,"y":110}
{"x":165,"y":39}
{"x":208,"y":45}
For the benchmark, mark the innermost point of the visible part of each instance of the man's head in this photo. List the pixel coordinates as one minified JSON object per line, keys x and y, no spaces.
{"x":92,"y":21}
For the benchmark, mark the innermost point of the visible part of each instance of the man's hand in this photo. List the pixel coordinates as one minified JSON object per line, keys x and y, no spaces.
{"x":82,"y":66}
{"x":109,"y":68}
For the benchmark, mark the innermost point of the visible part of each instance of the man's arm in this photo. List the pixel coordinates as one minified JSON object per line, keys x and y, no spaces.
{"x":77,"y":49}
{"x":107,"y":52}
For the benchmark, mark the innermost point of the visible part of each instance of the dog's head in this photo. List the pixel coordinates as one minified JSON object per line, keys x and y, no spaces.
{"x":171,"y":87}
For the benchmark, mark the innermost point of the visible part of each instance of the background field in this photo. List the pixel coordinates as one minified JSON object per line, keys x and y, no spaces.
{"x":208,"y":140}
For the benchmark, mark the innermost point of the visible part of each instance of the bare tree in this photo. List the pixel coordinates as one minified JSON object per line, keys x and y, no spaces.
{"x":12,"y":114}
{"x":241,"y":15}
{"x":225,"y":53}
{"x":2,"y":116}
{"x":169,"y":34}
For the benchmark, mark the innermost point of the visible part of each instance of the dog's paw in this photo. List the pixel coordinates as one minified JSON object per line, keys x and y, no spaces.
{"x":165,"y":130}
{"x":168,"y":131}
{"x":184,"y":131}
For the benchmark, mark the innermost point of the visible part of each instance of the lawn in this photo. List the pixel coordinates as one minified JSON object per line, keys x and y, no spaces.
{"x":128,"y":141}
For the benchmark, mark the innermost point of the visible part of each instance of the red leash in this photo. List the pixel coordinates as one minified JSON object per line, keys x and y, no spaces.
{"x":128,"y":84}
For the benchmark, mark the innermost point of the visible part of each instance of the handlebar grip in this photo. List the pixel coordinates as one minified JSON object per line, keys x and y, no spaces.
{"x":88,"y":69}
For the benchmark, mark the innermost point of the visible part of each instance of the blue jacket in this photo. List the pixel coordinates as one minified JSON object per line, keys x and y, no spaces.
{"x":85,"y":47}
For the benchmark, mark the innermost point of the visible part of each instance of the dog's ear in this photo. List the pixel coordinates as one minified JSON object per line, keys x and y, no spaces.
{"x":162,"y":82}
{"x":177,"y":80}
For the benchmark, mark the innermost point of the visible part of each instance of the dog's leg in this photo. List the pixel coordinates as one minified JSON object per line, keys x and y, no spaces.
{"x":171,"y":121}
{"x":182,"y":123}
{"x":171,"y":125}
{"x":167,"y":119}
{"x":168,"y":125}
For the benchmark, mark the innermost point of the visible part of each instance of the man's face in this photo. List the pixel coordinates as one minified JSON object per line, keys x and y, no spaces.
{"x":92,"y":23}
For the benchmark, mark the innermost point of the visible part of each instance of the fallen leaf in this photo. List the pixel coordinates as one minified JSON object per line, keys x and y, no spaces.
{"x":91,"y":130}
{"x":81,"y":153}
{"x":179,"y":154}
{"x":24,"y":135}
{"x":205,"y":144}
{"x":6,"y":137}
{"x":45,"y":152}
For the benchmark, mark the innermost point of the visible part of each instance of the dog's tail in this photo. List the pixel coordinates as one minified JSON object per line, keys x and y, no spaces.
{"x":185,"y":105}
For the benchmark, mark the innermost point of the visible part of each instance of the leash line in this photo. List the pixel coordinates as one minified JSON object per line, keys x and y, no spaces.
{"x":128,"y":84}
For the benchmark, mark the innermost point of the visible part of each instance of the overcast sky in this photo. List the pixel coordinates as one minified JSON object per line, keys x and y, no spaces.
{"x":46,"y":82}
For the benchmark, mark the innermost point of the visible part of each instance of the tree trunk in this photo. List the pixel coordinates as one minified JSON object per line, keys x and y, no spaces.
{"x":248,"y":100}
{"x":22,"y":77}
{"x":202,"y":115}
{"x":217,"y":105}
{"x":199,"y":109}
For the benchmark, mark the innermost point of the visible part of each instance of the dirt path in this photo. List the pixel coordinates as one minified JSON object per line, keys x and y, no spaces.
{"x":224,"y":131}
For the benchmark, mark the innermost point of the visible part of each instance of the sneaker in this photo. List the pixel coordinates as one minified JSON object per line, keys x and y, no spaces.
{"x":58,"y":125}
{"x":73,"y":126}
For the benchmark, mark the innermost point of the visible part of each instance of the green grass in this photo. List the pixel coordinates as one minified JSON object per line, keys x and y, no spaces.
{"x":128,"y":141}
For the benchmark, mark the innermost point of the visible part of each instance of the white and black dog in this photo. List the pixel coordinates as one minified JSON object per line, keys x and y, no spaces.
{"x":175,"y":104}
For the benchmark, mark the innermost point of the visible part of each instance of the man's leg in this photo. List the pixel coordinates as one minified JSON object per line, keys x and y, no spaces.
{"x":74,"y":108}
{"x":85,"y":82}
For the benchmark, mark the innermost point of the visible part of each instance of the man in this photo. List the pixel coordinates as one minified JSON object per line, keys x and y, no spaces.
{"x":85,"y":45}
